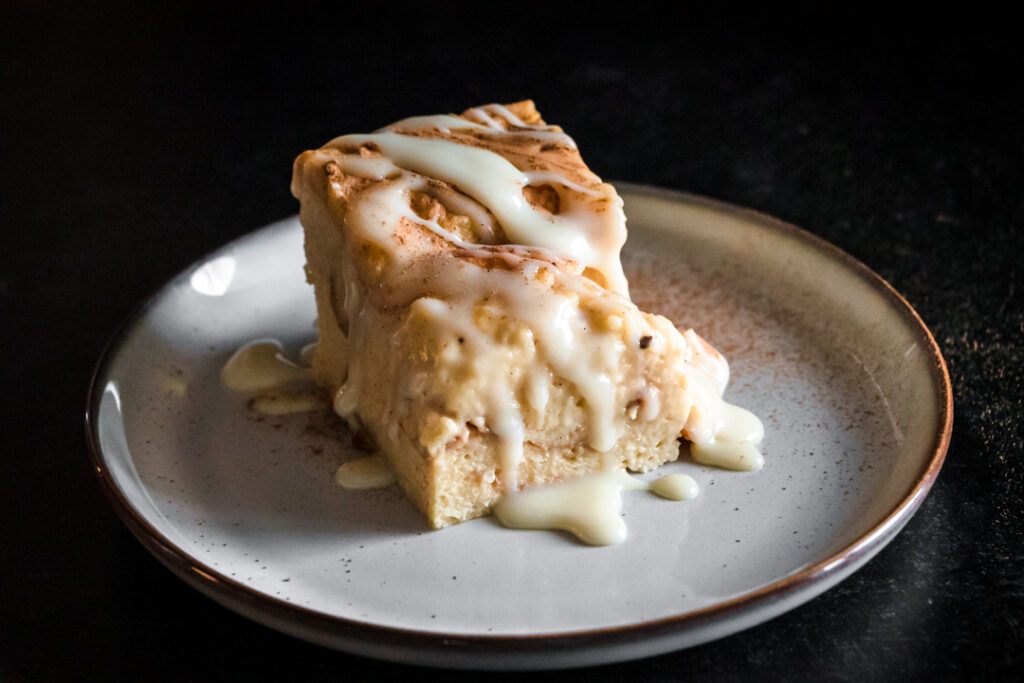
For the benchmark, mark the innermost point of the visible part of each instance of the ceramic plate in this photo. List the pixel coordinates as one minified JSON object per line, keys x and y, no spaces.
{"x":849,"y":383}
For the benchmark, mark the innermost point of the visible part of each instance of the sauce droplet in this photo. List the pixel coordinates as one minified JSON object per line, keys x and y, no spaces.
{"x":589,"y":507}
{"x":260,"y":366}
{"x":364,"y":473}
{"x":675,"y":487}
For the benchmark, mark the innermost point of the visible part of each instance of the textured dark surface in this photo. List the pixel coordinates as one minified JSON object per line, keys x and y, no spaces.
{"x":133,"y":142}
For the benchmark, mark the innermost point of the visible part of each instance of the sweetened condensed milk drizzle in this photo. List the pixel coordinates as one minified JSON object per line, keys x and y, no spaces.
{"x":260,"y":366}
{"x":588,"y":229}
{"x":590,"y":507}
{"x":364,"y":473}
{"x":282,"y":387}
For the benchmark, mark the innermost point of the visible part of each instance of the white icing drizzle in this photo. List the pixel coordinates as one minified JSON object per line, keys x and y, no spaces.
{"x":485,"y":115}
{"x":512,"y":118}
{"x":554,"y":325}
{"x":446,"y":124}
{"x":728,"y":437}
{"x":675,"y":486}
{"x":364,"y":473}
{"x":589,"y":507}
{"x":591,"y":237}
{"x":537,"y":177}
{"x":537,"y":393}
{"x":481,"y":115}
{"x":261,"y":365}
{"x":557,"y":322}
{"x":650,"y":403}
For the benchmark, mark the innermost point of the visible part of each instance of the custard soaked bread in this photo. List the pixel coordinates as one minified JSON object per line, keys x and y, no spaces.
{"x":475,"y":321}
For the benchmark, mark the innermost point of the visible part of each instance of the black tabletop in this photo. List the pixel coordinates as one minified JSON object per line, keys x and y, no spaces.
{"x":133,"y":141}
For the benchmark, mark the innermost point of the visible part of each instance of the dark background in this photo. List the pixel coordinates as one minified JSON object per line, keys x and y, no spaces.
{"x":133,"y":141}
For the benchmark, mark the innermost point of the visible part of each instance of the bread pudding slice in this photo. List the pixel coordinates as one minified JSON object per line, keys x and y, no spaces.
{"x":474,"y":318}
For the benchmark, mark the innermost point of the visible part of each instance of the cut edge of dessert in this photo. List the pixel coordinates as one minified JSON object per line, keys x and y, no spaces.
{"x":475,"y":323}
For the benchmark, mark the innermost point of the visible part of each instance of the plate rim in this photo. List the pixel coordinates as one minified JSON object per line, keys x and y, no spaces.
{"x":550,"y":649}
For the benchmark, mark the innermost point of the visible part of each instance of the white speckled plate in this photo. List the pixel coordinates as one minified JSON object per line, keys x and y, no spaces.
{"x":851,"y":387}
